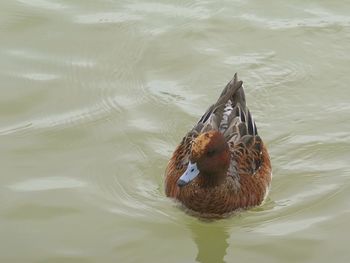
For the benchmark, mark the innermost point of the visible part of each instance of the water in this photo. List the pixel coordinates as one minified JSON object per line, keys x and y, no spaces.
{"x":95,"y":96}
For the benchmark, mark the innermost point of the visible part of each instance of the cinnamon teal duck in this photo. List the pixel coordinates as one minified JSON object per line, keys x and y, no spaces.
{"x":222,"y":164}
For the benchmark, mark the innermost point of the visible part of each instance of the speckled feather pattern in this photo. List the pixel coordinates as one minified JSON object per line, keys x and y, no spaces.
{"x":249,"y":174}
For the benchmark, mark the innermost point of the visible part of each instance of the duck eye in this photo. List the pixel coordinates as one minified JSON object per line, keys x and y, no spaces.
{"x":210,"y":153}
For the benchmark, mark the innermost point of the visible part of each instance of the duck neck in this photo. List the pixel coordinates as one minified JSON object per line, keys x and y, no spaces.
{"x":211,"y":179}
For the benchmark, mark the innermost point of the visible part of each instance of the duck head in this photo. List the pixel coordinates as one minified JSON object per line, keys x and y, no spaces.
{"x":209,"y":160}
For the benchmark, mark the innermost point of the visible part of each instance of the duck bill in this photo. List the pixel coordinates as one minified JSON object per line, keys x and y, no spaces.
{"x":190,"y":173}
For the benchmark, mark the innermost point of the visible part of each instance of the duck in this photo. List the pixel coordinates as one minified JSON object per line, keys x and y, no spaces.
{"x":221,"y":165}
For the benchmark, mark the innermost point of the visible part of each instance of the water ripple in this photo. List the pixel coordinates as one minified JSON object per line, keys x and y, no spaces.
{"x":249,"y":58}
{"x":53,"y":5}
{"x":109,"y":17}
{"x":40,"y":76}
{"x":63,"y":119}
{"x":289,"y":227}
{"x":143,"y":200}
{"x":305,"y":196}
{"x":38,"y":55}
{"x":325,"y":20}
{"x":198,"y":12}
{"x":47,"y":183}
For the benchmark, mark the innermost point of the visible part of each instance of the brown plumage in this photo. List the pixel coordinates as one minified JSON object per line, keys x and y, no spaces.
{"x":228,"y":166}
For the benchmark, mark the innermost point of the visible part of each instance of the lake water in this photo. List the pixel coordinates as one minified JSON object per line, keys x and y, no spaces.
{"x":95,"y":96}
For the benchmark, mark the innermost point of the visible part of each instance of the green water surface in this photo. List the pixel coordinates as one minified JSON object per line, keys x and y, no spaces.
{"x":95,"y":96}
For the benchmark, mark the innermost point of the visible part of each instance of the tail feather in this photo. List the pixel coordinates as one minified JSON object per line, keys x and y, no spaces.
{"x":229,"y":114}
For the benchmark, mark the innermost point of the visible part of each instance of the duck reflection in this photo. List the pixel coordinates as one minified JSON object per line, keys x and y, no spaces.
{"x":211,"y":240}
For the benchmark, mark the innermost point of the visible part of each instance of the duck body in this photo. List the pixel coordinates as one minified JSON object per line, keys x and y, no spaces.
{"x":222,"y":164}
